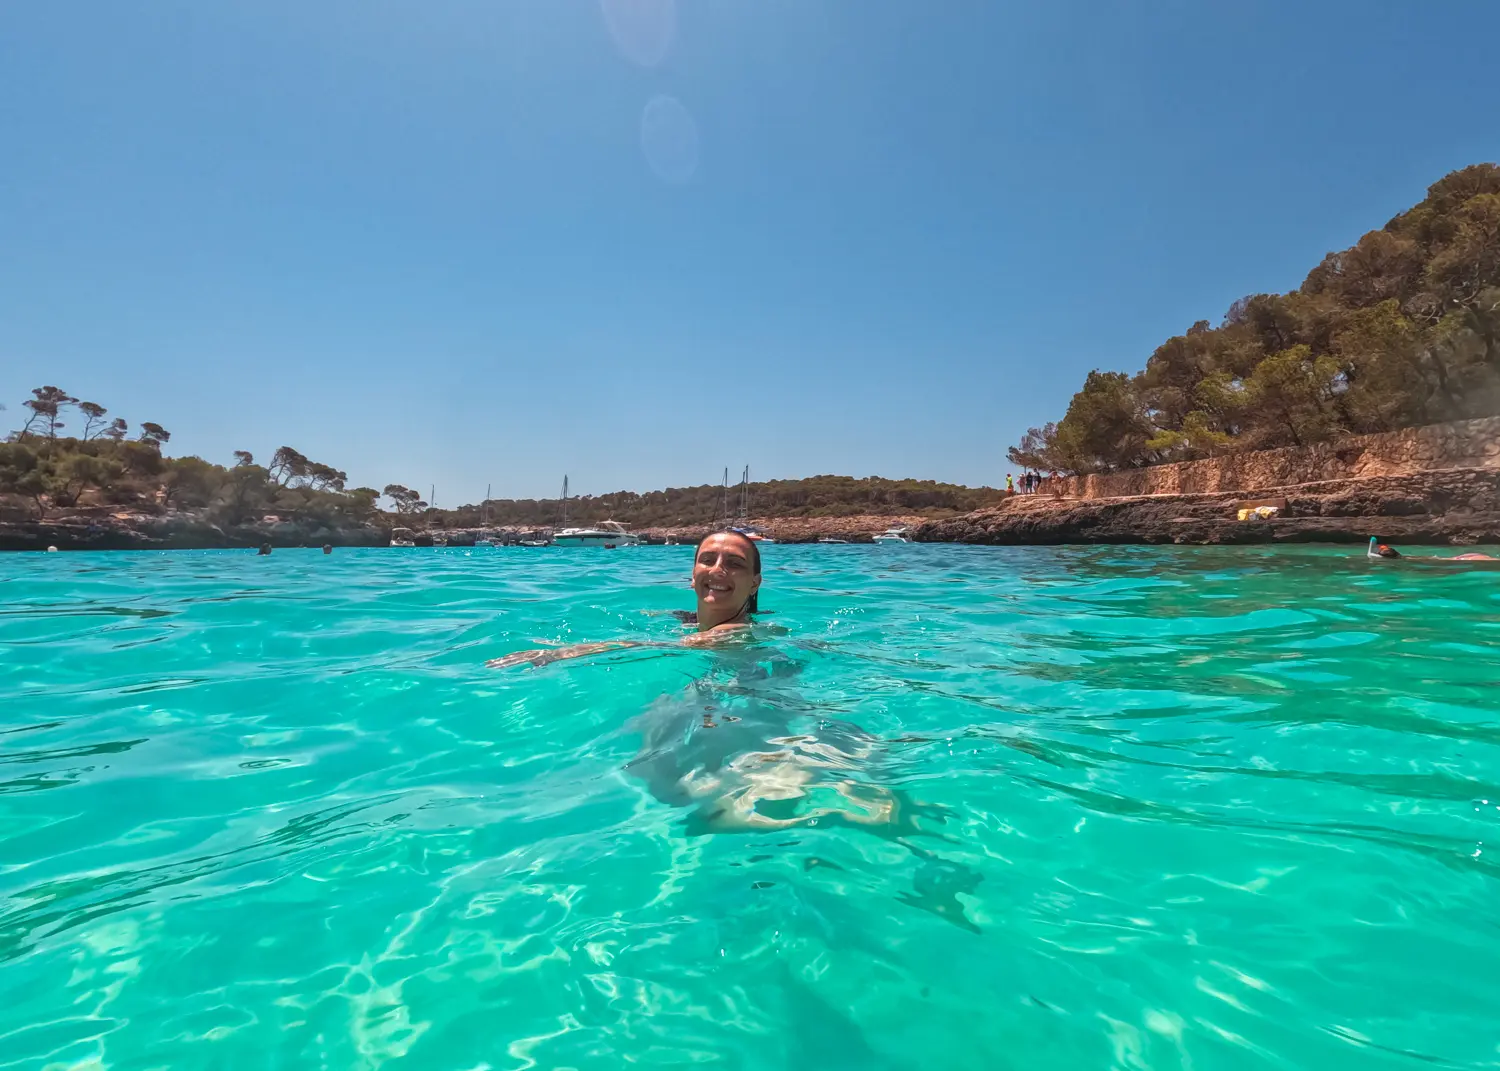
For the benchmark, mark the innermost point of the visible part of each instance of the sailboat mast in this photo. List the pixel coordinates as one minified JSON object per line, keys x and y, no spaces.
{"x":565,"y":502}
{"x":726,"y":494}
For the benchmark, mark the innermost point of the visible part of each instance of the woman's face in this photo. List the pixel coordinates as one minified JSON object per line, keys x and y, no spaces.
{"x":723,"y":574}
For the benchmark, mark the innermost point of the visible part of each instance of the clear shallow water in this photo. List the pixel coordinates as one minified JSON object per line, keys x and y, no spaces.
{"x":1104,"y":807}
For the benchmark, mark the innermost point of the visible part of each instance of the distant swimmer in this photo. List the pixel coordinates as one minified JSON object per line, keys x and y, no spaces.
{"x":327,"y":548}
{"x":726,"y":579}
{"x":1385,"y":550}
{"x":265,"y":548}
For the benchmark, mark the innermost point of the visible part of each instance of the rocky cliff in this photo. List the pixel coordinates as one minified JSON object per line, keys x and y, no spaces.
{"x":1460,"y":444}
{"x":1452,"y":506}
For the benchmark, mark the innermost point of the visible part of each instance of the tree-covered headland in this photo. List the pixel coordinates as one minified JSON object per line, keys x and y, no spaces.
{"x":1401,"y":329}
{"x":105,"y":463}
{"x":704,"y":504}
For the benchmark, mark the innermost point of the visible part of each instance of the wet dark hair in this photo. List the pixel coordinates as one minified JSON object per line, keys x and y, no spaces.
{"x":753,"y":606}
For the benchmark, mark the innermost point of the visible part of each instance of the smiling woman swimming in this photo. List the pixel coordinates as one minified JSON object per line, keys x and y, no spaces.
{"x":726,"y":579}
{"x":739,"y":748}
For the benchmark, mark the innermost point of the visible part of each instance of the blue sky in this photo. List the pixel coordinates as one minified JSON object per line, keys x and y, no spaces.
{"x":490,"y":241}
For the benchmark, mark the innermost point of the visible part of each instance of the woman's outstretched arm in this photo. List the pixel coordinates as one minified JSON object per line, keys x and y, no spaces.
{"x":543,"y":655}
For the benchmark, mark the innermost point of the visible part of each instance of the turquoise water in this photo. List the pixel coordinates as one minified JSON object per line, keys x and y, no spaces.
{"x":965,"y":808}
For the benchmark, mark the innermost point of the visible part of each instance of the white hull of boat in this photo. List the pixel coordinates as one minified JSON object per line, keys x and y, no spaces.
{"x":595,"y":538}
{"x":609,"y":542}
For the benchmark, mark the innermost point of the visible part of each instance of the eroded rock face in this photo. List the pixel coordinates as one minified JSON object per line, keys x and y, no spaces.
{"x":1454,"y":506}
{"x":1461,"y":444}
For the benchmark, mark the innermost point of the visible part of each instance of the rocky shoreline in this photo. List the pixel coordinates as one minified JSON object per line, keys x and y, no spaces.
{"x":858,"y":529}
{"x":91,"y":530}
{"x":1458,"y":507}
{"x":176,"y":531}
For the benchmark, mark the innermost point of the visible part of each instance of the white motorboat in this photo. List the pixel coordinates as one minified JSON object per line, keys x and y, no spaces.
{"x":894,"y":535}
{"x":484,"y":541}
{"x":609,"y":535}
{"x":830,"y":539}
{"x":402,"y":537}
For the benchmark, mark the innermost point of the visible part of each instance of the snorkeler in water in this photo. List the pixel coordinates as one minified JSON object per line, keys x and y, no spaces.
{"x":1385,"y":550}
{"x":726,"y":579}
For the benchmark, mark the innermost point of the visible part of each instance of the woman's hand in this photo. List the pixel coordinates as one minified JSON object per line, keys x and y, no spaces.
{"x":721,"y":634}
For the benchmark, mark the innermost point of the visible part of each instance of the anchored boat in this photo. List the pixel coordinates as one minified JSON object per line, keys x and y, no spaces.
{"x":609,"y":535}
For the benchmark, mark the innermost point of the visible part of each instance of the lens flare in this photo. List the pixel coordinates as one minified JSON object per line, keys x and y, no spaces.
{"x":669,"y":139}
{"x":643,"y":30}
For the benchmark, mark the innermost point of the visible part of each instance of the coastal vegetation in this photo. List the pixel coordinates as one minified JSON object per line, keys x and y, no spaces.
{"x":816,"y":496}
{"x":1402,"y":329}
{"x":106,"y":465}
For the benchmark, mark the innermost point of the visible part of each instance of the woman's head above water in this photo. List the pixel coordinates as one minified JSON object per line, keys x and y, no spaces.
{"x":726,"y":578}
